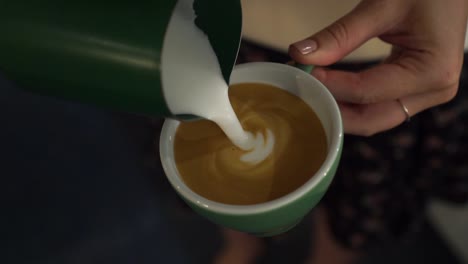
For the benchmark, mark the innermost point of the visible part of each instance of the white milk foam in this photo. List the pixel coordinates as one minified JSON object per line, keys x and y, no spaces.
{"x":193,"y":82}
{"x":262,"y":148}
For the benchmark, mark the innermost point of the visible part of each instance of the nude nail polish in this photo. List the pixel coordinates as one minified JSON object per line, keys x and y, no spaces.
{"x":306,"y":46}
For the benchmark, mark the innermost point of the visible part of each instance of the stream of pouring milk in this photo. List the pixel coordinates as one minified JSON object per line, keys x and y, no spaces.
{"x":193,"y":82}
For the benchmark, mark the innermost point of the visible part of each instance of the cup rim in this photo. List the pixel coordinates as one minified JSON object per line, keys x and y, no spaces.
{"x":336,"y":138}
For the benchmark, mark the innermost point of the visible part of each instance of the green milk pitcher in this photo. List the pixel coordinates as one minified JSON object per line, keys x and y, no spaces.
{"x":111,"y":54}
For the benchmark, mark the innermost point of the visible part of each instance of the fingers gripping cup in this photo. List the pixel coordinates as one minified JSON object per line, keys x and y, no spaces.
{"x":305,"y":126}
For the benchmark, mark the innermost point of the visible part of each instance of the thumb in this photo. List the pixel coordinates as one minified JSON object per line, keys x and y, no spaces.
{"x":331,"y":44}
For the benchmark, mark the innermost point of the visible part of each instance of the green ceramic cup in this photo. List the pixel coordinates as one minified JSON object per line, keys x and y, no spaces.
{"x":276,"y":216}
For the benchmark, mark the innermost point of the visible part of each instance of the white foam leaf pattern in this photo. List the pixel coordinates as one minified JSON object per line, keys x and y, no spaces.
{"x":261,"y":147}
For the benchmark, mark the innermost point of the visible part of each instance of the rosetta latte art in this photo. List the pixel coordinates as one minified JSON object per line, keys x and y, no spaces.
{"x":287,"y":146}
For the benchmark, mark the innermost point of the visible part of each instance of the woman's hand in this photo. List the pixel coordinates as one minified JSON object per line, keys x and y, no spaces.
{"x":422,"y":71}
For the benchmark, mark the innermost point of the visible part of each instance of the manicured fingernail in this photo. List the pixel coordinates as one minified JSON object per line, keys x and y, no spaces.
{"x":306,"y":46}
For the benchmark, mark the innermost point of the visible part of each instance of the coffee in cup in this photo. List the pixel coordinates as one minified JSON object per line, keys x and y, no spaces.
{"x":280,"y":214}
{"x":293,"y":143}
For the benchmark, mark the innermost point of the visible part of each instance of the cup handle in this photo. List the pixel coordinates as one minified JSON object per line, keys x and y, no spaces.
{"x":305,"y":67}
